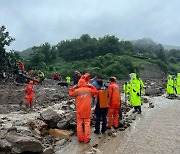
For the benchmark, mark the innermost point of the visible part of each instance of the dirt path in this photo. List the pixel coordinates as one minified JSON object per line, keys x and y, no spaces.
{"x":157,"y":130}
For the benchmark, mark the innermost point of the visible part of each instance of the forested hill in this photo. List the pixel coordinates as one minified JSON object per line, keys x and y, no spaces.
{"x":105,"y":56}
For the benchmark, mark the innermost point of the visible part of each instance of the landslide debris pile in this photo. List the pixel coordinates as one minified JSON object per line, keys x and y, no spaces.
{"x":53,"y":121}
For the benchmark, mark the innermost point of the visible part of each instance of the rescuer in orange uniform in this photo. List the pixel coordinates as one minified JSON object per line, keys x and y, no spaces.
{"x":29,"y":90}
{"x":21,"y":65}
{"x":83,"y":94}
{"x":31,"y":73}
{"x":114,"y":105}
{"x":86,"y":77}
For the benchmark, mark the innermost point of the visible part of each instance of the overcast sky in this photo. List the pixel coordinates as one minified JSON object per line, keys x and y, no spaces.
{"x":34,"y":22}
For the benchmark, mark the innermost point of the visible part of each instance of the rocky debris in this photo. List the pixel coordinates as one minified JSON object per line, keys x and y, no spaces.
{"x":57,"y":97}
{"x":1,"y":121}
{"x":95,"y":145}
{"x":23,"y":130}
{"x":63,"y":124}
{"x":109,"y":133}
{"x":48,"y":150}
{"x":60,"y":114}
{"x":48,"y":140}
{"x":173,"y":96}
{"x":60,"y":134}
{"x":5,"y":145}
{"x":155,"y":87}
{"x":151,"y":105}
{"x":145,"y":99}
{"x":50,"y":117}
{"x":93,"y":151}
{"x":132,"y":117}
{"x":121,"y":128}
{"x":38,"y":126}
{"x":114,"y":134}
{"x":59,"y":144}
{"x":12,"y":129}
{"x":18,"y":143}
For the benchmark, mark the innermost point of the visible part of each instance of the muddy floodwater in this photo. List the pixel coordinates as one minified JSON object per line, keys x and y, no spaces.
{"x":157,"y":130}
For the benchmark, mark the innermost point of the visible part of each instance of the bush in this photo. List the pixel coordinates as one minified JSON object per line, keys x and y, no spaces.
{"x":172,"y":60}
{"x":51,"y":68}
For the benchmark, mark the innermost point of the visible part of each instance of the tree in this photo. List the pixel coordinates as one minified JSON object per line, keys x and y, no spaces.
{"x":161,"y":55}
{"x":5,"y":40}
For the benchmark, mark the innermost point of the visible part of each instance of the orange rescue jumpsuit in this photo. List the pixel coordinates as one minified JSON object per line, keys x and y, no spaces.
{"x":83,"y":96}
{"x":30,"y":93}
{"x":114,"y":105}
{"x":21,"y":64}
{"x":31,"y":72}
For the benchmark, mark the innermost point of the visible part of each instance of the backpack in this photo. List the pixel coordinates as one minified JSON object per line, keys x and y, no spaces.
{"x":103,"y":98}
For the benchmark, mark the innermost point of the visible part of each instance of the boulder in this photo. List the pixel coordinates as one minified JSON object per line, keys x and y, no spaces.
{"x":22,"y":143}
{"x":37,"y":125}
{"x":63,"y":124}
{"x":50,"y":117}
{"x":4,"y":145}
{"x":60,"y":134}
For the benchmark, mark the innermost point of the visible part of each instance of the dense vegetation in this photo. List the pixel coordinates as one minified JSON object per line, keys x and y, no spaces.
{"x":105,"y":56}
{"x":7,"y":59}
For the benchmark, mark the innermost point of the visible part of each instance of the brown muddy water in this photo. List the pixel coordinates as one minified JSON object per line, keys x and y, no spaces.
{"x":157,"y":131}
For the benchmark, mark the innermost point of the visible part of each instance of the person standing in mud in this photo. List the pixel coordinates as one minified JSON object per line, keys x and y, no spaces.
{"x":68,"y":79}
{"x":29,"y":90}
{"x":126,"y":88}
{"x":21,"y":65}
{"x":83,"y":95}
{"x":41,"y":76}
{"x":114,"y":103}
{"x":135,"y":93}
{"x":77,"y":76}
{"x":178,"y":84}
{"x":102,"y":104}
{"x":170,"y":86}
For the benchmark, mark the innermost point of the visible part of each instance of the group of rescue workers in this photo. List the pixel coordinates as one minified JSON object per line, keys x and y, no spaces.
{"x":57,"y":76}
{"x":106,"y":102}
{"x":173,"y":85}
{"x":103,"y":100}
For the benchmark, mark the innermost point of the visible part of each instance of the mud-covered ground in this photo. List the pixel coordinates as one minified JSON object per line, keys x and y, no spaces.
{"x":49,"y":93}
{"x":46,"y":94}
{"x":155,"y":131}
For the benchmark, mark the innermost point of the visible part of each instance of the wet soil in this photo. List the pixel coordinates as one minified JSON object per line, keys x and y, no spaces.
{"x":47,"y":94}
{"x":156,"y":130}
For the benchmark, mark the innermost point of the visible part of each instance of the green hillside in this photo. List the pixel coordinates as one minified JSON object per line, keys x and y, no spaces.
{"x":105,"y":56}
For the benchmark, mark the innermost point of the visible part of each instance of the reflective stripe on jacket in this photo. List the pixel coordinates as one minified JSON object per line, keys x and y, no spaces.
{"x":83,"y":100}
{"x":114,"y":95}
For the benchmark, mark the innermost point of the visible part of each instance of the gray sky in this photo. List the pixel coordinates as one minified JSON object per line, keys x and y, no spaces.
{"x":34,"y":22}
